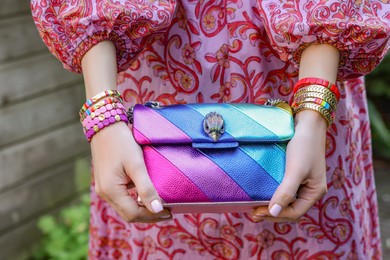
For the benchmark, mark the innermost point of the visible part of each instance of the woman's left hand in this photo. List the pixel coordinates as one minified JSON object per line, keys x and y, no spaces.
{"x":304,"y":182}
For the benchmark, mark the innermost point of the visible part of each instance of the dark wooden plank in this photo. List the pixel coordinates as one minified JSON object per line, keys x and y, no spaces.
{"x":38,"y":114}
{"x":45,"y":191}
{"x":32,"y":76}
{"x":20,"y":242}
{"x":19,"y":37}
{"x":23,"y":160}
{"x":13,"y":7}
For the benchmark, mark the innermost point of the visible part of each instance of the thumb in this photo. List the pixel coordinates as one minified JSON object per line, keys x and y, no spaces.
{"x":284,"y":195}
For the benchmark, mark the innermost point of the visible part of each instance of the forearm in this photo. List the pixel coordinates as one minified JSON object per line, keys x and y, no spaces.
{"x":99,"y":68}
{"x":319,"y":61}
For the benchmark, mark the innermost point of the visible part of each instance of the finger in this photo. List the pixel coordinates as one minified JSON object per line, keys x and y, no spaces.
{"x":144,"y":186}
{"x":114,"y":191}
{"x":131,"y":212}
{"x":130,"y":185}
{"x":306,"y":198}
{"x":272,"y":219}
{"x":284,"y":195}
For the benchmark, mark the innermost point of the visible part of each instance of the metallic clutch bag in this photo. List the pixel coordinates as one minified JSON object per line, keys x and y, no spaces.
{"x":214,"y":157}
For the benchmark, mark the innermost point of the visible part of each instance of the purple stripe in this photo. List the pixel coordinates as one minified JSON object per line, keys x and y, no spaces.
{"x":150,"y":121}
{"x":204,"y":173}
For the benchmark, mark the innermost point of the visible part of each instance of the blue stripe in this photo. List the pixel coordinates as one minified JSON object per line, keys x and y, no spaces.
{"x":252,"y":178}
{"x":238,"y":123}
{"x":270,"y":157}
{"x":190,"y":122}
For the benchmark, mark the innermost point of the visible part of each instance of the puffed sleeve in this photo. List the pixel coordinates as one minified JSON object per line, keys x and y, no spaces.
{"x":359,"y":29}
{"x":71,"y":27}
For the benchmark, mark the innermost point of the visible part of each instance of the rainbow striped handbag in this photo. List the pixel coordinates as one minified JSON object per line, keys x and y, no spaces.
{"x":213,"y":157}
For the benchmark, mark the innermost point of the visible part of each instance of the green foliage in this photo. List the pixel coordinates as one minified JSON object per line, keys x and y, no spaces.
{"x":378,"y":81}
{"x":65,"y":237}
{"x":378,"y":92}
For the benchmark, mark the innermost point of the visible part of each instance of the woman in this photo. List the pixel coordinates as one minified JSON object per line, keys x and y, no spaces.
{"x":230,"y":51}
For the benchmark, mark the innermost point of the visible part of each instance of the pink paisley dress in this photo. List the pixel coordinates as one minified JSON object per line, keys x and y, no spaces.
{"x":235,"y":51}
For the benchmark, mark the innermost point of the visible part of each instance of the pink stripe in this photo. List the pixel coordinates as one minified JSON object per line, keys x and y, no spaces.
{"x":149,"y":121}
{"x":174,"y":186}
{"x":204,"y":173}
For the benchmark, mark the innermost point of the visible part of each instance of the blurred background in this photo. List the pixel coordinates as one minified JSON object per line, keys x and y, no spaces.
{"x":45,"y":161}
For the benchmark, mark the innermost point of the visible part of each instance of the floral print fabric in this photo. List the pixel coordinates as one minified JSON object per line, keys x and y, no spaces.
{"x":237,"y":51}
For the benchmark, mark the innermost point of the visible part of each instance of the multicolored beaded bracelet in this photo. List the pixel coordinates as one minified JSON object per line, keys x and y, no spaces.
{"x":102,"y":124}
{"x":317,"y":81}
{"x":103,"y":102}
{"x":97,"y":97}
{"x":89,"y":121}
{"x":103,"y":109}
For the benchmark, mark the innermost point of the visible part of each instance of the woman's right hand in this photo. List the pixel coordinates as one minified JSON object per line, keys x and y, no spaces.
{"x":118,"y":163}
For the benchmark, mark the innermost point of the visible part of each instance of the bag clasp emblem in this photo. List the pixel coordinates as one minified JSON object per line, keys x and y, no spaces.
{"x":214,"y":125}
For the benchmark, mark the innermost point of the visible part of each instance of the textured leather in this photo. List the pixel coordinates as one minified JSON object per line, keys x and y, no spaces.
{"x":187,"y":166}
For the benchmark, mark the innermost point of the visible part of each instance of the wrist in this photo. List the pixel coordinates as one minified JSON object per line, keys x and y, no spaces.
{"x":312,"y":120}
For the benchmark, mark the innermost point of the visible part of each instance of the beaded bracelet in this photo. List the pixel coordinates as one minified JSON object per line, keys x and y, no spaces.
{"x":91,"y":123}
{"x":104,"y":112}
{"x":101,"y":103}
{"x":103,"y":109}
{"x":95,"y":98}
{"x":106,"y":122}
{"x":329,"y":117}
{"x":317,"y":81}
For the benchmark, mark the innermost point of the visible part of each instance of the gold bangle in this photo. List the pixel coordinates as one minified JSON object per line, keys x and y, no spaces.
{"x":326,"y":97}
{"x":315,"y":100}
{"x":316,"y":88}
{"x":322,"y":111}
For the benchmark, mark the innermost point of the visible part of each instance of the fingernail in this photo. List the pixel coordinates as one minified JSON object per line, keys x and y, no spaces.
{"x":157,"y":206}
{"x":275,"y":210}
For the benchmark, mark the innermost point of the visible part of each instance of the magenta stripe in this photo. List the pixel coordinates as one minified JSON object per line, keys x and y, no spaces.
{"x":166,"y":130}
{"x":204,"y":173}
{"x":139,"y":137}
{"x":173,"y":187}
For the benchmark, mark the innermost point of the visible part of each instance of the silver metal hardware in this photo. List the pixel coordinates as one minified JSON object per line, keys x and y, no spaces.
{"x":153,"y":104}
{"x":213,"y":125}
{"x":130,"y":111}
{"x":274,"y":101}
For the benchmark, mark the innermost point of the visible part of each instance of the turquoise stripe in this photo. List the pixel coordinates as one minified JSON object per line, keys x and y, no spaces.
{"x":273,"y":159}
{"x":270,"y":119}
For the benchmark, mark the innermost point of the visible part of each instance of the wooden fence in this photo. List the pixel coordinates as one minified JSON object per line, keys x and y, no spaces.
{"x":44,"y":158}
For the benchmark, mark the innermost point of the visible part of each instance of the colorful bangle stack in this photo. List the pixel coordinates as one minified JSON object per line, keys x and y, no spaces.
{"x":102,"y":110}
{"x":316,"y":94}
